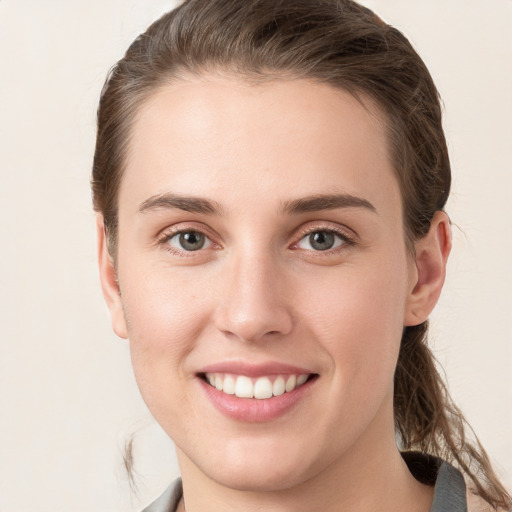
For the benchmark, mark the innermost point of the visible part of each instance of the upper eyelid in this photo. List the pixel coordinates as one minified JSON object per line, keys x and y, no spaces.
{"x":171,"y":231}
{"x":333,"y":227}
{"x":165,"y":235}
{"x":297,"y":234}
{"x":345,"y":240}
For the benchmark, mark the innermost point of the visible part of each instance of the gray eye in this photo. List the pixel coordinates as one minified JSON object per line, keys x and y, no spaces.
{"x":321,"y":241}
{"x":189,"y":241}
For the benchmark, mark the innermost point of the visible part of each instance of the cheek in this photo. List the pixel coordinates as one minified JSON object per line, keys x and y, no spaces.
{"x":165,"y":317}
{"x":358,"y":317}
{"x":163,"y":307}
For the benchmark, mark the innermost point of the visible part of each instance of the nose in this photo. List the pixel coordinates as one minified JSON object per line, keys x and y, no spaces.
{"x":253,"y":305}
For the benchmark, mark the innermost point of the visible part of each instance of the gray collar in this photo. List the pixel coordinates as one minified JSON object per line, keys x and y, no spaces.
{"x":450,"y":488}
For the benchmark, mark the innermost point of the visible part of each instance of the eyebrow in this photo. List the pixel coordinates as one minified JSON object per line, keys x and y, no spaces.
{"x":326,"y":202}
{"x":296,"y":206}
{"x":185,"y":203}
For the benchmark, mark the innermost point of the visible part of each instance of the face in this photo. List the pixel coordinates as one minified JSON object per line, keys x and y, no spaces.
{"x":264,"y":277}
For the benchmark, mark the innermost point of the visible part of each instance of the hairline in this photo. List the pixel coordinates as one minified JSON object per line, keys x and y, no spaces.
{"x":181,"y":74}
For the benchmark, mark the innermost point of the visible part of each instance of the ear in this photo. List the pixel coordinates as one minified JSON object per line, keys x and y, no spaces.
{"x":430,"y":269}
{"x":109,"y":284}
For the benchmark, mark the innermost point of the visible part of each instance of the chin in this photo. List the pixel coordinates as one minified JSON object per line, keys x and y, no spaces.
{"x":262,"y":467}
{"x":264,"y":478}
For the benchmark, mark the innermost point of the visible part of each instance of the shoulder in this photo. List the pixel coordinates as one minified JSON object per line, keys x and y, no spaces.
{"x":452,"y":492}
{"x":168,"y":501}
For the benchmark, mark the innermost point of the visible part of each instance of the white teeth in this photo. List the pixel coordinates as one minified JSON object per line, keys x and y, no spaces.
{"x":290,"y":383}
{"x":279,"y":386}
{"x":301,"y":379}
{"x":244,"y":387}
{"x":229,"y":385}
{"x":260,"y":388}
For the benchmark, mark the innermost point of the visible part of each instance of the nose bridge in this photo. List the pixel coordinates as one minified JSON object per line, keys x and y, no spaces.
{"x":254,"y":296}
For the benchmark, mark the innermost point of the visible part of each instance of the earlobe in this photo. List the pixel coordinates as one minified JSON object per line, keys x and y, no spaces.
{"x":109,"y":283}
{"x":431,"y":256}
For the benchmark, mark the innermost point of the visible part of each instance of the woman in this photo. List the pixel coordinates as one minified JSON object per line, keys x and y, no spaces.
{"x":270,"y":178}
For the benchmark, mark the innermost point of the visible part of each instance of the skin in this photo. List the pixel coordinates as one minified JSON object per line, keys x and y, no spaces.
{"x":258,"y":291}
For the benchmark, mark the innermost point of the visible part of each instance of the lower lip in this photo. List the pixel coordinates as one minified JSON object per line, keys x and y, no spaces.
{"x":252,"y":410}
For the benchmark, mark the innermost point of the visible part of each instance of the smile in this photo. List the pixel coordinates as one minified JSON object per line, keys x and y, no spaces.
{"x":259,"y":388}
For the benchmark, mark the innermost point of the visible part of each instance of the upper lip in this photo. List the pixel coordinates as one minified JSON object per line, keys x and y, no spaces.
{"x":254,"y":370}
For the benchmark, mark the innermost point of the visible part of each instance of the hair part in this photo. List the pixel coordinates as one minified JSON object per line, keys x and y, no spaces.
{"x":345,"y":45}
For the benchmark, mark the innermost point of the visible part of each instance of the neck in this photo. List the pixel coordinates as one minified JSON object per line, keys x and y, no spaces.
{"x":370,"y":476}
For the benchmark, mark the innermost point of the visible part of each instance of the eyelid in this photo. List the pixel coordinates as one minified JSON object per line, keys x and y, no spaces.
{"x":174,"y":241}
{"x":346,"y":234}
{"x":169,"y":232}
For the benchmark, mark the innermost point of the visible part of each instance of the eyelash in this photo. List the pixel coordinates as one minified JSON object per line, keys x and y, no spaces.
{"x":165,"y":238}
{"x":343,"y":243}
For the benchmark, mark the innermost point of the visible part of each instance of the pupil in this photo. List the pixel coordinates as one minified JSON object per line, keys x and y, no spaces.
{"x":321,"y":240}
{"x":192,"y":241}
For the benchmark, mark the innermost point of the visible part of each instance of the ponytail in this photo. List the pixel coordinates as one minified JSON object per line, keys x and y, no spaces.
{"x":426,"y":418}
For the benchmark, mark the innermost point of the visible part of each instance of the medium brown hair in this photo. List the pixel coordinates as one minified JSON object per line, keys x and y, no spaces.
{"x":345,"y":45}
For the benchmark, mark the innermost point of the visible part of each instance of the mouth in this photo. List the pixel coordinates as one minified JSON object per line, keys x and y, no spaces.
{"x":256,"y":393}
{"x":260,"y":388}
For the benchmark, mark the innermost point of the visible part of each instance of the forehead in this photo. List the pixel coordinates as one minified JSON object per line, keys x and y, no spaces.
{"x":223,"y":137}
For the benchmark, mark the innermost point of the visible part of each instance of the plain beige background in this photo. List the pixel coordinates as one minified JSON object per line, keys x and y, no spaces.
{"x":68,"y":400}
